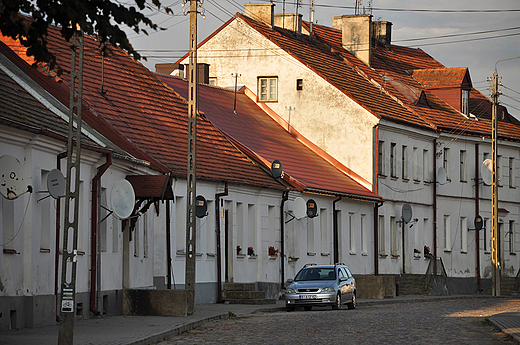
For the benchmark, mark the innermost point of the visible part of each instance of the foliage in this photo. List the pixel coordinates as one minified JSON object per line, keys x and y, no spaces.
{"x":100,"y":18}
{"x":272,"y":251}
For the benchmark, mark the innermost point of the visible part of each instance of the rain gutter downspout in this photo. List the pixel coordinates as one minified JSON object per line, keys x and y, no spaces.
{"x":477,"y":212}
{"x":376,"y":236}
{"x":57,"y":256}
{"x":217,"y":230}
{"x":335,"y":237}
{"x":285,"y":197}
{"x":94,"y":226}
{"x":434,"y":208}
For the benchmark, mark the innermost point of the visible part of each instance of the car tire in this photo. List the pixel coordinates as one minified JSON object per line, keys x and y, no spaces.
{"x":307,"y":308}
{"x":290,"y":308}
{"x":353,"y":302}
{"x":337,"y":306}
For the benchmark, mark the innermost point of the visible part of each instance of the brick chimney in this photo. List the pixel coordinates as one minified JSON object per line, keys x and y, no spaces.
{"x":381,"y":33}
{"x":291,"y":22}
{"x":263,"y":12}
{"x":356,"y":34}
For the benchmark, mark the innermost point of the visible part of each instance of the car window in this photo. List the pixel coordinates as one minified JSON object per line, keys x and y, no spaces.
{"x":348,"y":272}
{"x":341,"y":273}
{"x":316,"y":273}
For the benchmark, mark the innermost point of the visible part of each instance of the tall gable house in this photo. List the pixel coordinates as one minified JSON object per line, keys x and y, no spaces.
{"x":414,"y":130}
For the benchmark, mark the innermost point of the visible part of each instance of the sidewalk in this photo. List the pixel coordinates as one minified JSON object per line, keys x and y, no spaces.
{"x":143,"y":330}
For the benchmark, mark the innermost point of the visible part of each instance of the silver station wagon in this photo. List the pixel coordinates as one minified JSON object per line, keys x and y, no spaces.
{"x":321,"y":285}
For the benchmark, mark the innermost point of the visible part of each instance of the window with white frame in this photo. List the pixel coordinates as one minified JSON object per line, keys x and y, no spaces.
{"x":426,"y":166}
{"x":45,"y":217}
{"x":352,"y":233}
{"x":415,"y":164}
{"x":511,"y":236}
{"x":499,"y":171}
{"x":393,"y":160}
{"x":511,"y":172}
{"x":463,"y":235}
{"x":382,"y":242}
{"x":8,"y":223}
{"x":446,"y":162}
{"x":404,"y":162}
{"x":487,"y":235}
{"x":240,"y":227}
{"x":267,"y":89}
{"x":447,"y":233}
{"x":462,"y":166}
{"x":381,"y":158}
{"x":251,"y":227}
{"x":364,"y":244}
{"x":465,"y":102}
{"x":210,"y":235}
{"x":271,"y":219}
{"x":393,"y":229}
{"x":310,"y":236}
{"x":324,"y":231}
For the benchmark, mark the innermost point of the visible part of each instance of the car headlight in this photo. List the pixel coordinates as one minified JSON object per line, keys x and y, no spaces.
{"x":328,"y":289}
{"x":290,"y":291}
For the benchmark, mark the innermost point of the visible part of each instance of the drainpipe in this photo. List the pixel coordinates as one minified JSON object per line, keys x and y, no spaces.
{"x":285,"y":197}
{"x":94,"y":226}
{"x":335,"y":237}
{"x":376,"y":237}
{"x":217,"y":230}
{"x":477,"y":212}
{"x":434,"y":207}
{"x":57,"y":255}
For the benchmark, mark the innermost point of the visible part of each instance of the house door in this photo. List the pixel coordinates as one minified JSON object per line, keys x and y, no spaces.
{"x":228,"y":248}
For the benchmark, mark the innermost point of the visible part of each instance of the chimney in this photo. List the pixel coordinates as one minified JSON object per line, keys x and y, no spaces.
{"x":381,"y":33}
{"x":175,"y":69}
{"x":202,"y":73}
{"x":291,"y":22}
{"x":260,"y":12}
{"x":356,"y":34}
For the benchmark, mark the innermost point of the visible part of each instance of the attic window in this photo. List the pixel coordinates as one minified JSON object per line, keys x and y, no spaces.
{"x":464,"y":106}
{"x":267,"y":89}
{"x":299,"y":84}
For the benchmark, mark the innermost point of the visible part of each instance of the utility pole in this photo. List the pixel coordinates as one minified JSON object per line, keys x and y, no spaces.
{"x":70,"y":229}
{"x":495,"y":256}
{"x":192,"y":154}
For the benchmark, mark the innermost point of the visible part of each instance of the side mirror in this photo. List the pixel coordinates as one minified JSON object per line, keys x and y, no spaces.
{"x":288,"y":282}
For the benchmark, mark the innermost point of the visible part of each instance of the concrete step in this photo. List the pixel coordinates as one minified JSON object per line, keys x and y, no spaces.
{"x":239,"y":286}
{"x":260,"y":301}
{"x":243,"y":295}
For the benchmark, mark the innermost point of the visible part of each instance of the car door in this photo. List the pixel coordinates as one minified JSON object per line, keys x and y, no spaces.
{"x":350,"y":282}
{"x":343,"y":283}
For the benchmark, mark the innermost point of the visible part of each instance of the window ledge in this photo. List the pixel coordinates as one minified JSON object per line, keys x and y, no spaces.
{"x":396,"y":256}
{"x":291,"y":259}
{"x":364,"y":254}
{"x":241,"y":256}
{"x":252,"y":257}
{"x":325,"y":254}
{"x":383,"y":255}
{"x":463,"y":252}
{"x":352,"y":253}
{"x":512,"y":253}
{"x":447,"y":251}
{"x":382,"y":176}
{"x":311,"y":254}
{"x":10,"y":251}
{"x":416,"y":181}
{"x":43,"y":250}
{"x":180,"y":253}
{"x":406,"y":180}
{"x":211,"y":254}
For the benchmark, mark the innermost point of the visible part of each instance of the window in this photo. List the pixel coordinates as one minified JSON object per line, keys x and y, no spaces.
{"x":351,"y":233}
{"x":271,"y":219}
{"x":463,"y":177}
{"x":393,"y":160}
{"x":464,"y":106}
{"x":299,"y":84}
{"x":511,"y":172}
{"x":499,"y":171}
{"x":382,"y":243}
{"x":487,"y":235}
{"x":103,"y":226}
{"x":446,"y":163}
{"x":323,"y":230}
{"x":364,"y":245}
{"x":240,"y":226}
{"x":8,"y":223}
{"x":511,"y":236}
{"x":251,"y":227}
{"x":268,"y":89}
{"x":426,"y":166}
{"x":310,"y":236}
{"x":415,"y":164}
{"x":213,"y":81}
{"x":46,"y":216}
{"x":404,"y":162}
{"x":210,"y":235}
{"x":463,"y":235}
{"x":381,"y":158}
{"x":180,"y":224}
{"x":393,"y":225}
{"x":447,"y":234}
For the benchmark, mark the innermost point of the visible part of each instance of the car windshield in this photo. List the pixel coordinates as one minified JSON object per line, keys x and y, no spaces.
{"x":315,"y":273}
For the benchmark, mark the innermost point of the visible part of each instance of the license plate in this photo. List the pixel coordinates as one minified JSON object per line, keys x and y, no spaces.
{"x":307,"y":296}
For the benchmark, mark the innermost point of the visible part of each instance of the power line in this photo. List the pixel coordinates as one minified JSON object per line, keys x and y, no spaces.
{"x":456,"y":35}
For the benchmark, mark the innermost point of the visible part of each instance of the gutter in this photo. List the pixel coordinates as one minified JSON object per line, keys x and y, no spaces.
{"x":335,"y":235}
{"x":434,"y":208}
{"x":285,"y":197}
{"x":94,"y":223}
{"x":376,"y":237}
{"x":477,"y":212}
{"x":57,"y":255}
{"x":217,"y":230}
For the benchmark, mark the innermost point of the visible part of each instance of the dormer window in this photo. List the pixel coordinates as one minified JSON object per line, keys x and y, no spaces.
{"x":464,"y":104}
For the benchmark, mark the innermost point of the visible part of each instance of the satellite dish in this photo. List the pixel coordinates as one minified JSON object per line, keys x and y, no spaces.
{"x":299,"y":208}
{"x":56,"y":184}
{"x":441,"y":175}
{"x":276,"y":169}
{"x":406,"y":213}
{"x":122,"y":199}
{"x":11,"y":177}
{"x":201,"y":207}
{"x":486,"y":171}
{"x":312,"y":208}
{"x":479,"y":222}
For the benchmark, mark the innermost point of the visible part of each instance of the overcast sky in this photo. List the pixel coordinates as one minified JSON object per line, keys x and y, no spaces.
{"x":411,"y":20}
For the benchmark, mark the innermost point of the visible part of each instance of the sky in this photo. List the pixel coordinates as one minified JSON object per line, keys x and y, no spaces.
{"x":480,"y":33}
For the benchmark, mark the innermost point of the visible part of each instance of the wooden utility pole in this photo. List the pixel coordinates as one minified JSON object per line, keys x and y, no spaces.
{"x":70,"y":229}
{"x":192,"y":154}
{"x":495,"y":255}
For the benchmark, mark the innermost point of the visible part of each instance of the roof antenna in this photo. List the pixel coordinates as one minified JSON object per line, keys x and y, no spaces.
{"x":311,"y":17}
{"x":236,"y":75}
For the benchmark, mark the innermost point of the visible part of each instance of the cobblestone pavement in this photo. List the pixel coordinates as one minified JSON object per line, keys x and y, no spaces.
{"x":439,"y":322}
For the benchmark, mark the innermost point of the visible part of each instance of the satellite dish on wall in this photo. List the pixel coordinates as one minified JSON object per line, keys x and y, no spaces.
{"x":312,"y":208}
{"x":406,"y":213}
{"x":56,"y":184}
{"x":12,"y":184}
{"x":122,"y":199}
{"x":441,"y":175}
{"x":486,"y":171}
{"x":201,"y":206}
{"x":299,"y":208}
{"x":276,"y":169}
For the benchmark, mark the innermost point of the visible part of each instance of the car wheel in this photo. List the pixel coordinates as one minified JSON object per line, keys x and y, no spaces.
{"x":337,"y":306}
{"x":353,"y":303}
{"x":307,"y":308}
{"x":290,"y":308}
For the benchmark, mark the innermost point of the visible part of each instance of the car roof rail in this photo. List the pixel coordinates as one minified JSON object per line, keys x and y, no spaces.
{"x":310,"y":264}
{"x":340,"y":263}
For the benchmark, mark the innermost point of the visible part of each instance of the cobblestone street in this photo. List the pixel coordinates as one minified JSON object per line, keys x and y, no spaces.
{"x":439,"y":322}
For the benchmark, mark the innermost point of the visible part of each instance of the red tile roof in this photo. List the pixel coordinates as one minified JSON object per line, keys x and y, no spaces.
{"x":440,"y":76}
{"x":251,"y":127}
{"x":145,"y":118}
